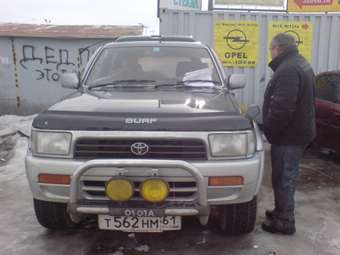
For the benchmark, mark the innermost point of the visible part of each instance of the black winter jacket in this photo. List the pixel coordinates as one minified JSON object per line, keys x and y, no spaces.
{"x":289,"y":108}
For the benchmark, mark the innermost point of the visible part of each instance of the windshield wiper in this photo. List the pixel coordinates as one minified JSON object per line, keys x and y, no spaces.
{"x":120,"y":83}
{"x":180,"y":84}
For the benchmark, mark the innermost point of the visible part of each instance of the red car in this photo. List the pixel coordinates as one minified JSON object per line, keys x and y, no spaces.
{"x":328,"y":111}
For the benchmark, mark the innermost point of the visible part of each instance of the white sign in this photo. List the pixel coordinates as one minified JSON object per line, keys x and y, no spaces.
{"x":250,"y":4}
{"x":180,"y":4}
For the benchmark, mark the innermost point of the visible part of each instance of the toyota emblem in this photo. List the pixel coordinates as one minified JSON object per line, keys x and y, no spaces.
{"x":139,"y":149}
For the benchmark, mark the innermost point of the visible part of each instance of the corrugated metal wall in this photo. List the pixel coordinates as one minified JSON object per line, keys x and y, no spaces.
{"x":326,"y":41}
{"x":30,"y":70}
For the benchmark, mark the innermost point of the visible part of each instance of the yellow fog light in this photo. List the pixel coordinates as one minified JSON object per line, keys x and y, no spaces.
{"x":119,"y":190}
{"x":154,"y":190}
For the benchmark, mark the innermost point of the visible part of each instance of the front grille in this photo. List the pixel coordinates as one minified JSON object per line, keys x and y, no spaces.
{"x":104,"y":148}
{"x":179,"y":190}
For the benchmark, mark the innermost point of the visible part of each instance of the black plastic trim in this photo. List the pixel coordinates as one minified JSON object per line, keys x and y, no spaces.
{"x":94,"y":121}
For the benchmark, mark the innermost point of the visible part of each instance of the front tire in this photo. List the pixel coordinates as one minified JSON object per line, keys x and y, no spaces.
{"x":53,"y":215}
{"x":237,"y":219}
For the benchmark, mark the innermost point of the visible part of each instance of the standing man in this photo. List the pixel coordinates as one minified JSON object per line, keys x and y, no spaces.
{"x":289,"y":125}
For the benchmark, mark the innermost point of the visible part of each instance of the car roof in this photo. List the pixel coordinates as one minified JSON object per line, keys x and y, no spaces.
{"x":180,"y":41}
{"x":155,"y":38}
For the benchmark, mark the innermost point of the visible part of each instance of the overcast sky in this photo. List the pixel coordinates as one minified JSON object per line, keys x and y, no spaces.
{"x":80,"y":12}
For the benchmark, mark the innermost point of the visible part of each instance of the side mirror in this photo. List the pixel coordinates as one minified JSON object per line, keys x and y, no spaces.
{"x":253,"y":111}
{"x":237,"y":81}
{"x":69,"y":80}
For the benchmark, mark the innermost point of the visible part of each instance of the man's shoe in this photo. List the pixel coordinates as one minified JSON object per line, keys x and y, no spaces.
{"x":279,"y":226}
{"x":270,"y":214}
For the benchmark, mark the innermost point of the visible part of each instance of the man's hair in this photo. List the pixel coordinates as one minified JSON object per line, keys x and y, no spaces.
{"x":283,"y":41}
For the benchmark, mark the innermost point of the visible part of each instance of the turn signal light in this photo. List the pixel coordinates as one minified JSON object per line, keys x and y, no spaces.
{"x":54,"y":179}
{"x":226,"y":181}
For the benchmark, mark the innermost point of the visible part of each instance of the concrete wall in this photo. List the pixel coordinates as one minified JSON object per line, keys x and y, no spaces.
{"x":30,"y":70}
{"x":326,"y":41}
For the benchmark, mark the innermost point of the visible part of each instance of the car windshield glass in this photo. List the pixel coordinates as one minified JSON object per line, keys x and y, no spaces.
{"x":153,"y":65}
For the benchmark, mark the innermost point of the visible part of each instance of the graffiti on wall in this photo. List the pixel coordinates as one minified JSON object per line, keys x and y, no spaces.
{"x":48,"y":62}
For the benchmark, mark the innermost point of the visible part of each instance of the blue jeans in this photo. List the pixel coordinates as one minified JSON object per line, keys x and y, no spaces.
{"x":285,"y":170}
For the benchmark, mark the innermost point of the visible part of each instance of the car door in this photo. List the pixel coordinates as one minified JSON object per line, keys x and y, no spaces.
{"x":324,"y":111}
{"x":335,"y":125}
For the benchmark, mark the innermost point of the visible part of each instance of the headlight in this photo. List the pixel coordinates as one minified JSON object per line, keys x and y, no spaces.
{"x":232,"y":145}
{"x":51,"y":143}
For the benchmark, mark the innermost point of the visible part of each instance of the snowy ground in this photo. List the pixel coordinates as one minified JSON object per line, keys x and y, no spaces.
{"x":14,"y":130}
{"x":318,"y":218}
{"x":17,"y":123}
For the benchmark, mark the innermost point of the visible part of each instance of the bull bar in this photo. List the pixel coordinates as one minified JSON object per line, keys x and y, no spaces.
{"x":74,"y":208}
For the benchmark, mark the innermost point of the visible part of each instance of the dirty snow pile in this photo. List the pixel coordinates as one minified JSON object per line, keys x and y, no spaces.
{"x":17,"y":124}
{"x":8,"y":140}
{"x":14,"y":133}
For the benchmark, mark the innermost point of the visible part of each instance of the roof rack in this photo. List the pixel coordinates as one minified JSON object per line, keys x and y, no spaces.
{"x":155,"y":38}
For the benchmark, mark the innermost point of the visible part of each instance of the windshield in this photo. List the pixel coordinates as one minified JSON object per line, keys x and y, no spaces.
{"x":164,"y":65}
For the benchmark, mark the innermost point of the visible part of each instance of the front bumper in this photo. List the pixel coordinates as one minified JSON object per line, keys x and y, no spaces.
{"x":250,"y":169}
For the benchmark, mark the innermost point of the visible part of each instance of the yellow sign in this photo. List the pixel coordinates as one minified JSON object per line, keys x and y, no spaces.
{"x":227,"y":3}
{"x":236,"y":43}
{"x":313,"y":5}
{"x":302,"y":31}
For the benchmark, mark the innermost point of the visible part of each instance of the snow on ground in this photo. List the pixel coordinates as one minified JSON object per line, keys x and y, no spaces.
{"x":17,"y":123}
{"x":143,"y":248}
{"x":13,"y":129}
{"x":16,"y":165}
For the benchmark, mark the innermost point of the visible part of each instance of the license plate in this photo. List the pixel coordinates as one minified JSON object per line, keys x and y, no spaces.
{"x":139,"y":224}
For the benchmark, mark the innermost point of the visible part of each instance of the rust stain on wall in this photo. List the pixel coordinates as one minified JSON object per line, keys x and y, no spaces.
{"x":16,"y":76}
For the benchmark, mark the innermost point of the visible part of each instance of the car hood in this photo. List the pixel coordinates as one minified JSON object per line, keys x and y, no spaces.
{"x":146,"y":102}
{"x":146,"y":110}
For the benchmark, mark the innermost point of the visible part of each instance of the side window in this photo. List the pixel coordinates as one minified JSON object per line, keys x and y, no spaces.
{"x":323,"y":88}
